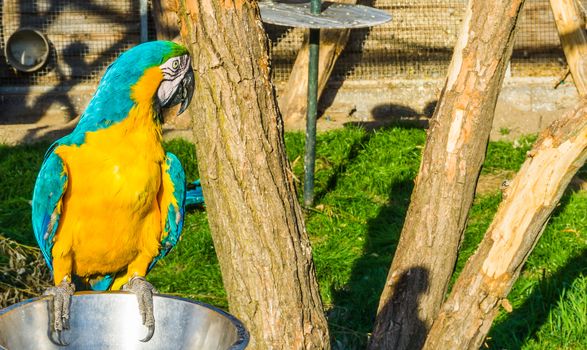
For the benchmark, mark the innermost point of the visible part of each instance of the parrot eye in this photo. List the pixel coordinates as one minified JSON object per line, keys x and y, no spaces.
{"x":175,"y":64}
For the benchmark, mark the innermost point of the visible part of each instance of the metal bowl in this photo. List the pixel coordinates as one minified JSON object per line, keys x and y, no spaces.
{"x":112,"y":321}
{"x":27,"y":50}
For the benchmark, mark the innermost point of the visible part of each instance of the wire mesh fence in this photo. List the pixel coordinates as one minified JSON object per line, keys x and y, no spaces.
{"x":418,"y":43}
{"x":87,"y":35}
{"x":537,"y":50}
{"x":84,"y":36}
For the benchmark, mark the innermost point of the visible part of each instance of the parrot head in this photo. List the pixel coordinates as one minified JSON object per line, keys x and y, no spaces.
{"x":157,"y":72}
{"x":177,"y":85}
{"x":153,"y":75}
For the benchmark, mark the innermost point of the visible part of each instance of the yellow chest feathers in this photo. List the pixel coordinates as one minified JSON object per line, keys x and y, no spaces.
{"x":123,"y":159}
{"x":114,"y":180}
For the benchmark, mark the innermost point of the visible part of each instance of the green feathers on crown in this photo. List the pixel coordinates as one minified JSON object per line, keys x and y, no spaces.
{"x":175,"y":50}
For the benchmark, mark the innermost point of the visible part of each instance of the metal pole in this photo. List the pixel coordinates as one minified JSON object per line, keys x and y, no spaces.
{"x":310,"y":156}
{"x":144,"y":22}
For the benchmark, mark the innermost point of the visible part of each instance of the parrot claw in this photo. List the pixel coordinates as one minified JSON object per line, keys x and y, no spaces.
{"x":151,"y":331}
{"x":144,"y":292}
{"x":60,"y":340}
{"x":59,"y":308}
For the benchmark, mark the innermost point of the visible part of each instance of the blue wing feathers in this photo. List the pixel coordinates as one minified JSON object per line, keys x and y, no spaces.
{"x":49,"y":189}
{"x":176,"y":211}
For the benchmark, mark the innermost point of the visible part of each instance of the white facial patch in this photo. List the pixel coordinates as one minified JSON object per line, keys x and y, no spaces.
{"x":173,"y":72}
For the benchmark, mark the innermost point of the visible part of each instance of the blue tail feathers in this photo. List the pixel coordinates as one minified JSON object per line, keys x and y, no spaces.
{"x":194,"y":195}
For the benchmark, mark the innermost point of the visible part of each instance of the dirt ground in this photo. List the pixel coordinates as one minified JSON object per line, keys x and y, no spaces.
{"x":525,"y":106}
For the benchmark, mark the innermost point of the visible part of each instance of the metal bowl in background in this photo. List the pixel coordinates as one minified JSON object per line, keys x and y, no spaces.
{"x":112,"y":321}
{"x":27,"y":50}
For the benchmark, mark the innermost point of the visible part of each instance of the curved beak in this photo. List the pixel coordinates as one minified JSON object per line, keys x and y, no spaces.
{"x":183,"y":93}
{"x":186,"y":90}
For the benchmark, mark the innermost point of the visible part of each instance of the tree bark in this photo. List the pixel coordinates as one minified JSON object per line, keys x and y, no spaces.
{"x":254,"y":216}
{"x":444,"y":188}
{"x":528,"y":202}
{"x":570,"y":23}
{"x":166,"y":20}
{"x":293,"y":103}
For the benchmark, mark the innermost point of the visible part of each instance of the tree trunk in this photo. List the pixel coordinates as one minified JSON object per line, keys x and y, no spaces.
{"x":166,"y":20}
{"x":293,"y":102}
{"x":570,"y":23}
{"x":528,"y":202}
{"x":253,"y":212}
{"x":444,"y":188}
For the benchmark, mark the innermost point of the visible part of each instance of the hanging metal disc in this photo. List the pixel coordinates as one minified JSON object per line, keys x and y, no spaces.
{"x":296,"y":13}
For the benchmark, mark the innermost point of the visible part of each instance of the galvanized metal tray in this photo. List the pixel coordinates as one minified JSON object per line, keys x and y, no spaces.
{"x":296,"y":13}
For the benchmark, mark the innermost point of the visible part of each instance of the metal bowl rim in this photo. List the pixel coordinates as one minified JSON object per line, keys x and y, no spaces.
{"x":242,"y":333}
{"x":19,"y":66}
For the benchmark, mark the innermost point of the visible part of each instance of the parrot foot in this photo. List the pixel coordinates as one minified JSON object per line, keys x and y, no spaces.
{"x":59,"y":306}
{"x":144,"y":292}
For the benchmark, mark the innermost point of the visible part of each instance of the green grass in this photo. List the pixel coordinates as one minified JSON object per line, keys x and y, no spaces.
{"x":363,"y":186}
{"x":548,"y":287}
{"x":18,"y":172}
{"x":502,"y":155}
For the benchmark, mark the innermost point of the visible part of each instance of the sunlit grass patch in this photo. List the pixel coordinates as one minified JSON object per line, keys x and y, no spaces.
{"x":363,"y":185}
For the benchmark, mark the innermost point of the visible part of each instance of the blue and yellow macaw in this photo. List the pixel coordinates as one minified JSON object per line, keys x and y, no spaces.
{"x":109,"y":202}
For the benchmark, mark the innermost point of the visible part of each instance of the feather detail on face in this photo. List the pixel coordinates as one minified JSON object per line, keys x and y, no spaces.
{"x":178,"y":83}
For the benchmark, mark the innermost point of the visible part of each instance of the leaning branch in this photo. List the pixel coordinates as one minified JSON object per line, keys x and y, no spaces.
{"x":488,"y":276}
{"x":570,"y":23}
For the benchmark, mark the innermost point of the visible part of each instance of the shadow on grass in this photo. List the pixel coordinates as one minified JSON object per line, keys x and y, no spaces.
{"x":412,"y":336}
{"x":359,"y":145}
{"x":355,"y":306}
{"x":524,"y":322}
{"x":354,"y":150}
